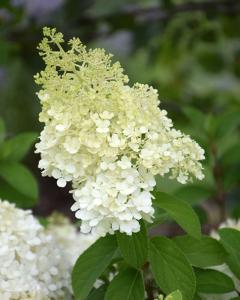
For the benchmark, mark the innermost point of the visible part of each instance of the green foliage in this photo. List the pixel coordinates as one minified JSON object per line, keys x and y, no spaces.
{"x":91,"y":264}
{"x":230,"y":238}
{"x":193,"y":194}
{"x":18,"y":146}
{"x":177,"y":295}
{"x":160,"y":216}
{"x":17,"y":183}
{"x":128,"y":285}
{"x":213,"y":282}
{"x":192,"y":58}
{"x":134,"y":249}
{"x":20,"y":178}
{"x":171,"y":261}
{"x":201,"y":253}
{"x":180,"y":211}
{"x":170,"y":268}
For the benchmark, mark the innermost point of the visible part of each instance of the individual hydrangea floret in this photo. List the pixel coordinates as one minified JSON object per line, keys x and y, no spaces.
{"x":99,"y":131}
{"x":32,"y":265}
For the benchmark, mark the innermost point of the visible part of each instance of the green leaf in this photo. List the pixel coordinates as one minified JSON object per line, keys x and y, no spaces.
{"x":4,"y":150}
{"x":230,"y":239}
{"x":2,"y":130}
{"x":97,"y":294}
{"x":180,"y":211}
{"x":20,"y":178}
{"x":195,"y":116}
{"x":231,"y":177}
{"x":14,"y":196}
{"x":227,"y":122}
{"x":231,"y":156}
{"x":193,"y":194}
{"x":91,"y":264}
{"x":197,"y":297}
{"x":134,"y":248}
{"x":127,"y":285}
{"x":160,"y":216}
{"x":226,"y":143}
{"x":201,"y":253}
{"x":170,"y":268}
{"x":210,"y":125}
{"x":177,"y":295}
{"x":20,"y":145}
{"x":201,"y":213}
{"x":213,"y":282}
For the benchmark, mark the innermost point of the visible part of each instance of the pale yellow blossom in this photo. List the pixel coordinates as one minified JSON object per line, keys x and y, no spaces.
{"x":93,"y":117}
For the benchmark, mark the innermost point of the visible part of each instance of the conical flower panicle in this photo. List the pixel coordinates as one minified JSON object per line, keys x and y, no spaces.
{"x":109,"y":139}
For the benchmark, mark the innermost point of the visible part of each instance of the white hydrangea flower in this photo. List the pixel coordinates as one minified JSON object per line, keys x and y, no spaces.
{"x":70,"y":241}
{"x":235,"y":224}
{"x":32,"y":265}
{"x":23,"y":296}
{"x":95,"y":125}
{"x":115,"y":199}
{"x":231,"y":223}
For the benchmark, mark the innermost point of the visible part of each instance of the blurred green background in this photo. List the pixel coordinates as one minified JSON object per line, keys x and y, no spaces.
{"x":188,"y":50}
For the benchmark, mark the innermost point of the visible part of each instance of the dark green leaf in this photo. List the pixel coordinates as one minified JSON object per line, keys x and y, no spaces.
{"x":197,"y":297}
{"x":201,"y":213}
{"x":227,"y":122}
{"x":232,"y":177}
{"x":230,"y":238}
{"x":201,"y":253}
{"x":210,"y":125}
{"x":20,"y":178}
{"x":213,"y":282}
{"x":134,"y":248}
{"x":91,"y":264}
{"x":127,"y":285}
{"x":160,"y":216}
{"x":180,"y":211}
{"x":196,"y":117}
{"x":170,"y":268}
{"x":20,"y":145}
{"x":231,"y":156}
{"x":193,"y":194}
{"x":14,"y":196}
{"x":5,"y":150}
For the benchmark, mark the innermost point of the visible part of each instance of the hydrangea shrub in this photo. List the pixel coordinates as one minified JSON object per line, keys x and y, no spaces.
{"x":109,"y":140}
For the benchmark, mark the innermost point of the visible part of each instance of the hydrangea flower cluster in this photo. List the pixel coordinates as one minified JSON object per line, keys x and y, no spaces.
{"x":69,"y":240}
{"x":108,"y":139}
{"x":32,"y":264}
